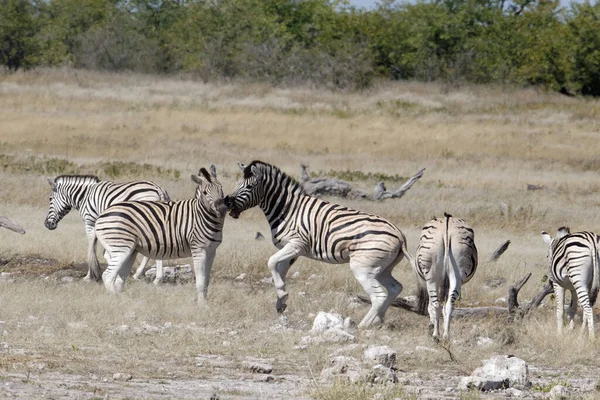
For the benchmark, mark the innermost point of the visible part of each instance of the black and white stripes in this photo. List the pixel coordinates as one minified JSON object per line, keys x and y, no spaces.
{"x":91,"y":196}
{"x":164,"y":231}
{"x":302,"y":225}
{"x":574,"y":265}
{"x":446,"y":258}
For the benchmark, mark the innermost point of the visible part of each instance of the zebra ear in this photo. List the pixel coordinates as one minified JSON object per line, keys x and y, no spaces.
{"x":242,"y":166}
{"x":255,"y":170}
{"x":52,"y":184}
{"x":205,"y":174}
{"x":196,"y":179}
{"x":213,"y":171}
{"x":546,"y":237}
{"x":563,"y":231}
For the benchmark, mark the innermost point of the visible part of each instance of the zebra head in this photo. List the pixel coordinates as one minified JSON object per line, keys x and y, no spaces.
{"x":248,"y":191}
{"x":210,"y":192}
{"x":59,"y":206}
{"x":562,"y":232}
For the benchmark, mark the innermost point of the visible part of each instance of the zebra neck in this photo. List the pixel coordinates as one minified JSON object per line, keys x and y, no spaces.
{"x":210,"y":216}
{"x":277,"y":203}
{"x":79,"y":195}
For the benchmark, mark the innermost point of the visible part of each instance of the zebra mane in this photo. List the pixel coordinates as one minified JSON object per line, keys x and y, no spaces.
{"x":77,"y":179}
{"x":271,"y":169}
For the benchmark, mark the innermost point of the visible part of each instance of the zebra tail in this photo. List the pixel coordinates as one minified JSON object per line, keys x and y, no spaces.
{"x":596,"y":272}
{"x":94,"y":265}
{"x":422,"y":296}
{"x":445,"y":279}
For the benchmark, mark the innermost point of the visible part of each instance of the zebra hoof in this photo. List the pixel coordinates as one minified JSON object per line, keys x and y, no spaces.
{"x":281,"y":308}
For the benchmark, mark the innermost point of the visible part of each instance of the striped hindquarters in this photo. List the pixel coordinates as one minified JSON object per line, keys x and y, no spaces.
{"x":336,"y":232}
{"x":572,"y":257}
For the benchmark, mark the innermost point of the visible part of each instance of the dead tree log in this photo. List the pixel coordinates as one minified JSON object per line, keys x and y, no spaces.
{"x":499,"y":251}
{"x":514,"y":310}
{"x":340,"y":188}
{"x":7,"y":223}
{"x":381,"y":193}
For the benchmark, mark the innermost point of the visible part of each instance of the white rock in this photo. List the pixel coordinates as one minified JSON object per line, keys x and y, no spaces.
{"x":484,"y":341}
{"x":500,"y":300}
{"x":241,"y":277}
{"x":67,"y":279}
{"x":499,"y":372}
{"x":336,"y":335}
{"x":295,"y":275}
{"x":514,"y":392}
{"x":382,"y":374}
{"x":349,"y":323}
{"x":559,"y":392}
{"x":267,"y":280}
{"x":122,"y":377}
{"x":380,"y":355}
{"x":324,"y":321}
{"x":176,"y":273}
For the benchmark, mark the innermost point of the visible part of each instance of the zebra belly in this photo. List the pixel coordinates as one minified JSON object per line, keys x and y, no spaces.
{"x":164,"y":251}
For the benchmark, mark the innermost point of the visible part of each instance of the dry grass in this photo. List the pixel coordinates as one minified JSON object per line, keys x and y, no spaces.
{"x":480,"y":145}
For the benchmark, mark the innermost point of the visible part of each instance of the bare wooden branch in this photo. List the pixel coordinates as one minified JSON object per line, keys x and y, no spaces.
{"x":513,"y":293}
{"x":381,"y":193}
{"x":340,"y":188}
{"x":7,"y":223}
{"x":499,"y":251}
{"x":534,"y":187}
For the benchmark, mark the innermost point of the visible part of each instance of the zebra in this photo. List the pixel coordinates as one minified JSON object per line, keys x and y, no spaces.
{"x":165,"y":231}
{"x":573,"y":261}
{"x":11,"y":225}
{"x":91,"y":196}
{"x":446,"y":259}
{"x":302,"y":225}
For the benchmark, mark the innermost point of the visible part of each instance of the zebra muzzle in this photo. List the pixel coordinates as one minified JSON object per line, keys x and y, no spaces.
{"x":50,"y":225}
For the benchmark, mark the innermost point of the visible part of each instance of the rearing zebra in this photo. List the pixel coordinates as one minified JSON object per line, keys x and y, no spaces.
{"x":302,"y":225}
{"x":91,"y":196}
{"x":446,"y":258}
{"x":573,"y":263}
{"x":165,"y":231}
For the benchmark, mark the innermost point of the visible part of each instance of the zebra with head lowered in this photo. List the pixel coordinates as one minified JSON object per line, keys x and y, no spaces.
{"x":164,"y":231}
{"x":302,"y":225}
{"x":91,"y":196}
{"x":573,"y":263}
{"x":446,"y":259}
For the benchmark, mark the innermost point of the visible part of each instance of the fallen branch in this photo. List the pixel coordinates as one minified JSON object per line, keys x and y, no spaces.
{"x":499,"y":251}
{"x":340,"y":188}
{"x":7,"y":223}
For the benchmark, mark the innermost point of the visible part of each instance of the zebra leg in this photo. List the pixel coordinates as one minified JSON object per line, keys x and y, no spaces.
{"x":453,"y":295}
{"x":588,"y":314}
{"x":559,"y":293}
{"x":140,"y":270}
{"x":112,"y":272}
{"x":572,"y":311}
{"x":160,"y":273}
{"x":203,"y":260}
{"x":365,"y":275}
{"x":392,"y":286}
{"x":279,"y":263}
{"x":434,"y":306}
{"x":94,"y":273}
{"x":123,"y":272}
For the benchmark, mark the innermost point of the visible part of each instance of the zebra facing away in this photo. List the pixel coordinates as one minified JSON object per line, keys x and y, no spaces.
{"x":91,"y":196}
{"x":165,"y":231}
{"x":446,"y":258}
{"x":302,"y":225}
{"x":573,"y":261}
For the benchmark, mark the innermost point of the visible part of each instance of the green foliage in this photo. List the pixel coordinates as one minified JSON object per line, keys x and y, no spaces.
{"x":321,"y":42}
{"x":18,"y":26}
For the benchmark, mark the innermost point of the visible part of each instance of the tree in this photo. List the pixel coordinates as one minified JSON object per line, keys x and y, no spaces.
{"x":18,"y":27}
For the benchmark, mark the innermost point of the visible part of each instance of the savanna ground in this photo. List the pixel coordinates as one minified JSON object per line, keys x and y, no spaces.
{"x":481,"y":147}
